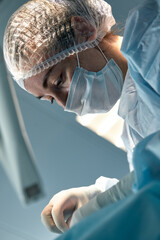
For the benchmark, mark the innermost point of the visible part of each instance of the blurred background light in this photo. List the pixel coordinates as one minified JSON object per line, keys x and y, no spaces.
{"x":108,"y":125}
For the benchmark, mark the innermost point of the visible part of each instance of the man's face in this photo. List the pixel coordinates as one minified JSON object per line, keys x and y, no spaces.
{"x":54,"y":82}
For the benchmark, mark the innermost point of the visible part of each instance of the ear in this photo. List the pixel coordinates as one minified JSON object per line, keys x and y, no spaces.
{"x":83,"y":30}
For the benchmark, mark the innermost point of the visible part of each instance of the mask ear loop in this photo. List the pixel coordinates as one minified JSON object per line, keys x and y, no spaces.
{"x":99,"y":50}
{"x":102,"y":53}
{"x":77,"y":55}
{"x":78,"y":60}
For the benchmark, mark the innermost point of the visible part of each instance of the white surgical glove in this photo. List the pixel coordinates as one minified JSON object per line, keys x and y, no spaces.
{"x":57,"y":215}
{"x":119,"y":191}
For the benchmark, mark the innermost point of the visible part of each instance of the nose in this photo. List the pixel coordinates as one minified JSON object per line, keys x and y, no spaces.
{"x":60,"y":97}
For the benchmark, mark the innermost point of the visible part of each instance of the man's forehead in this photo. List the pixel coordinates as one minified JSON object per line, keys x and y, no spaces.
{"x":35,"y":82}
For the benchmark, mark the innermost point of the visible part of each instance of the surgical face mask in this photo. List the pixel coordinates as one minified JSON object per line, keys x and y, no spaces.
{"x":94,"y":92}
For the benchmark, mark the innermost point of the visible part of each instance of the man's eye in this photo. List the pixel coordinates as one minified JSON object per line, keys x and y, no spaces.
{"x":59,"y":81}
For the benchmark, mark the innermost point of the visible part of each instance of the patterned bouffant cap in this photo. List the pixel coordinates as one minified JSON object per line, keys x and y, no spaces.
{"x":40,"y":33}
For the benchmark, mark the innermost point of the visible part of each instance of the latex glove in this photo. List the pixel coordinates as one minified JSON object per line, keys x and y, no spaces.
{"x":114,"y":193}
{"x":56,"y":216}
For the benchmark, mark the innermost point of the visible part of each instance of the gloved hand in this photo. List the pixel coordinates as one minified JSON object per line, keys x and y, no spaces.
{"x":56,"y":216}
{"x":115,"y":191}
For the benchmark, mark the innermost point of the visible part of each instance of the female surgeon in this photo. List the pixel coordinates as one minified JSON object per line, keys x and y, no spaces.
{"x":65,"y":51}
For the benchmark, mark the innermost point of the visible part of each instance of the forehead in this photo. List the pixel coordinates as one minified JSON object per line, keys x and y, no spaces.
{"x":34,"y":84}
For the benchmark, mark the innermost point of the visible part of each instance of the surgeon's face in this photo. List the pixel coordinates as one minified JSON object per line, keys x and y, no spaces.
{"x":54,"y":83}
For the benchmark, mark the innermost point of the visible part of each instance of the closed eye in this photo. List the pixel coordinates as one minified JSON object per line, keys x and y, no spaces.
{"x":59,"y":81}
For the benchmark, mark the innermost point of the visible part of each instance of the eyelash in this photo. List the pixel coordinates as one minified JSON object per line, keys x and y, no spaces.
{"x":51,"y":99}
{"x":59,"y":82}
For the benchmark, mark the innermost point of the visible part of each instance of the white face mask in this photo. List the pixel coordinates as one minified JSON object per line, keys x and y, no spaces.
{"x":94,"y":92}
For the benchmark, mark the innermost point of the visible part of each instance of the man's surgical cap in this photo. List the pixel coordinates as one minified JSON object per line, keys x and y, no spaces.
{"x":40,"y":34}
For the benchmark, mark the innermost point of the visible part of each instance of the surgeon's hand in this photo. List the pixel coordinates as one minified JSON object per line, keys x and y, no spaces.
{"x":57,"y":215}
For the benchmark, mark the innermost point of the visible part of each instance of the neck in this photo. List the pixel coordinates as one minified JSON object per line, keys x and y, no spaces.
{"x":111,"y":46}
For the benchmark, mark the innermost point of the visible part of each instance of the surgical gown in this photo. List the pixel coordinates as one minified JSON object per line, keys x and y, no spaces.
{"x":140,"y":99}
{"x":138,"y":215}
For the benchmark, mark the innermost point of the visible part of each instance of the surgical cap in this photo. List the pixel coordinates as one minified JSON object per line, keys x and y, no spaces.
{"x":40,"y":34}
